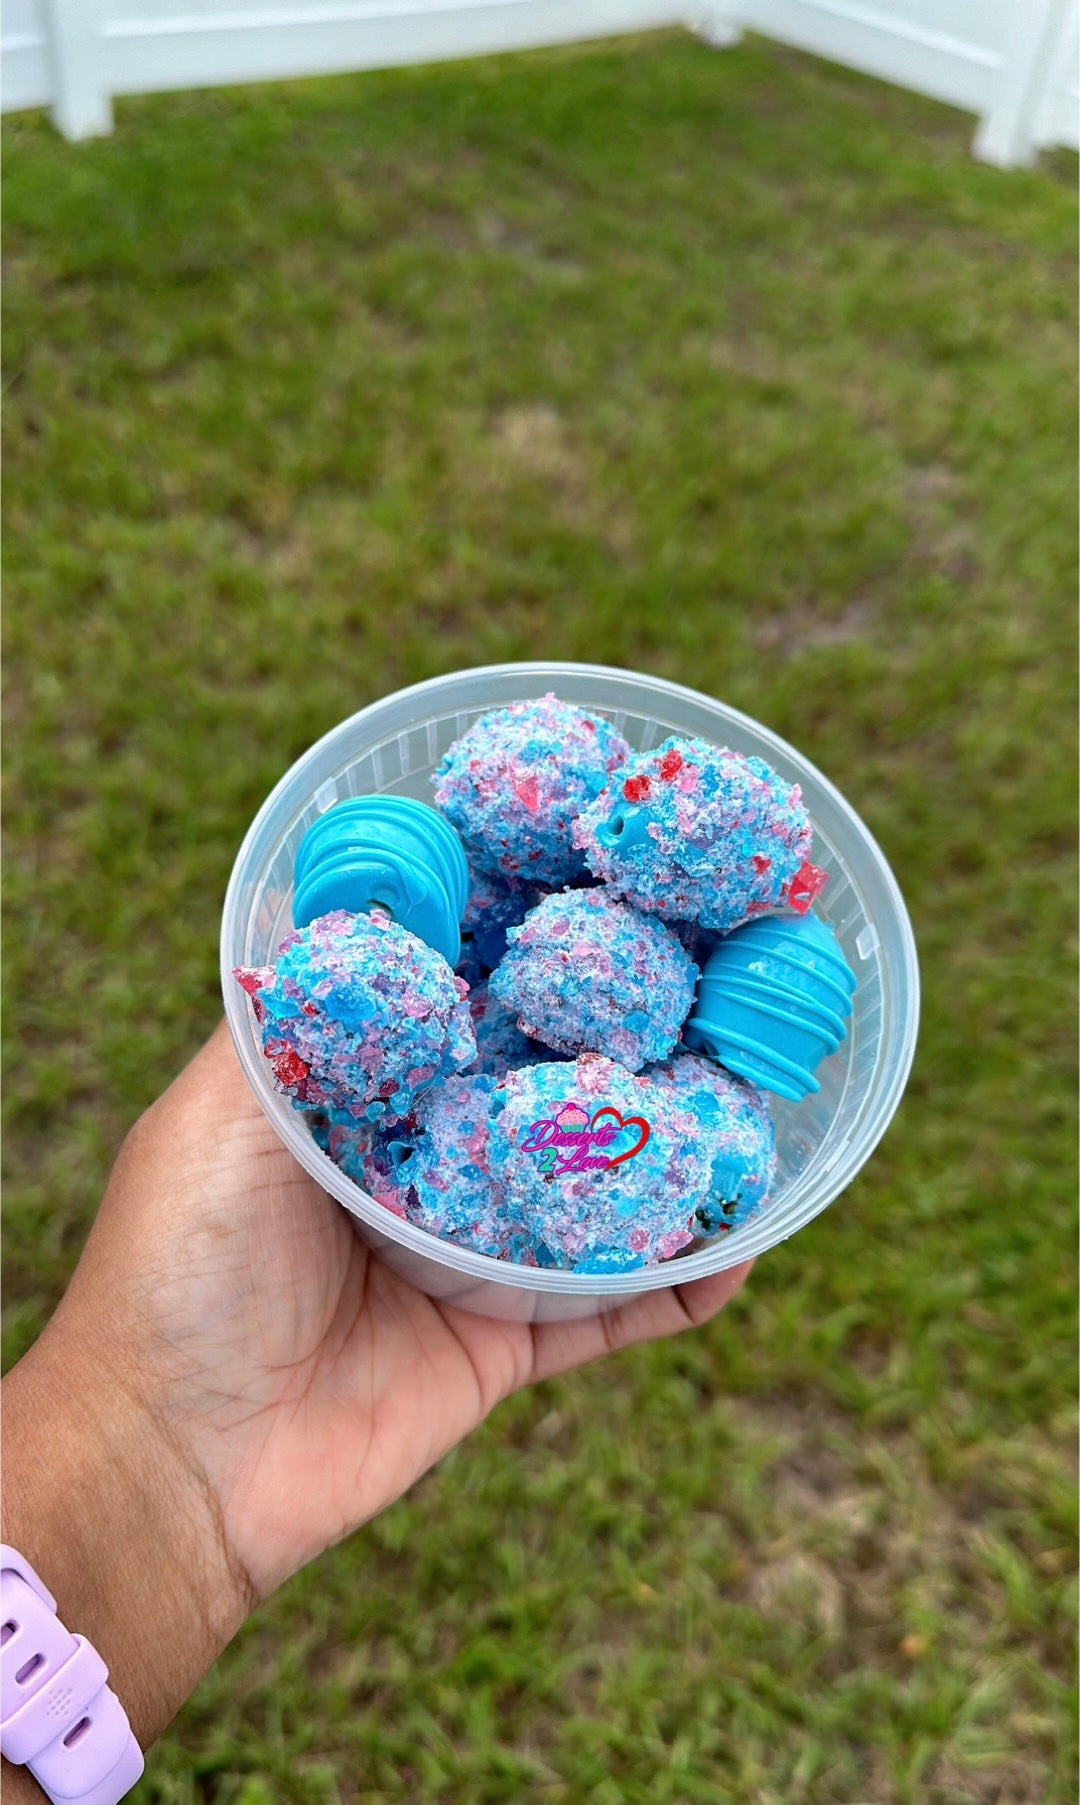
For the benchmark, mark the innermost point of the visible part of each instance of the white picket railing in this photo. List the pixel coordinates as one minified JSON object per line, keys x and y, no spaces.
{"x":1012,"y":62}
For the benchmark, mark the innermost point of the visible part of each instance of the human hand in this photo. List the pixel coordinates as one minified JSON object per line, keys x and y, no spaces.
{"x":237,"y":1381}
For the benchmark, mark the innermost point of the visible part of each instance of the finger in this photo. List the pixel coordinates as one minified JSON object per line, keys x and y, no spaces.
{"x":560,"y":1346}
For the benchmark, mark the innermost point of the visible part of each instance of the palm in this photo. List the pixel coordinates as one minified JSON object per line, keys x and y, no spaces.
{"x":317,"y":1384}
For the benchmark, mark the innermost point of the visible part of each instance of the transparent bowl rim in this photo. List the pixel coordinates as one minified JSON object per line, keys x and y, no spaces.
{"x":718,"y":1256}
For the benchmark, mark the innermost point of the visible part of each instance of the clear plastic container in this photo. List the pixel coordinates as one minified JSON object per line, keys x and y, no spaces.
{"x":394,"y":745}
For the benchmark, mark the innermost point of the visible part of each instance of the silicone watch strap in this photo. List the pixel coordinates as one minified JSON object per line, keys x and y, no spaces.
{"x":58,"y":1717}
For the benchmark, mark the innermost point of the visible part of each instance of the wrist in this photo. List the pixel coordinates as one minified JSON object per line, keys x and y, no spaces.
{"x":115,"y":1517}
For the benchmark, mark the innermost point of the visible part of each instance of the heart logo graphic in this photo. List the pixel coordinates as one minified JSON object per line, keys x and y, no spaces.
{"x":623,"y":1122}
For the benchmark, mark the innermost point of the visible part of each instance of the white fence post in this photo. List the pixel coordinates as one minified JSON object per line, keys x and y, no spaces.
{"x":82,"y":106}
{"x":1057,"y":120}
{"x":1006,"y":133}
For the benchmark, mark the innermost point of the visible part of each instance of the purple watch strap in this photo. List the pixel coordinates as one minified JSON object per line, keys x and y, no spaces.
{"x":57,"y":1715}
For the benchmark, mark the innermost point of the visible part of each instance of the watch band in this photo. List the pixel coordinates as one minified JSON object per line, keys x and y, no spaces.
{"x":57,"y":1715}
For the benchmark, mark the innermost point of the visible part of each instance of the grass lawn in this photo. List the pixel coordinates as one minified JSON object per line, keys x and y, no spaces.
{"x":731,"y":367}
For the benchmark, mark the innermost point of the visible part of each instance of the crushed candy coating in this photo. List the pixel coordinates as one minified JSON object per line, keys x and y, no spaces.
{"x":737,"y":1130}
{"x":605,"y":1169}
{"x":587,"y":973}
{"x":494,"y":905}
{"x":433,"y":1168}
{"x":359,"y":1015}
{"x":500,"y":1044}
{"x":699,"y":833}
{"x":513,"y":783}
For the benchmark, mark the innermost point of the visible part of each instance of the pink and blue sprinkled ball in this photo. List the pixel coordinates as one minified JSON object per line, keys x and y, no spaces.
{"x":494,"y":906}
{"x":514,"y":782}
{"x":500,"y":1044}
{"x":586,"y":973}
{"x":359,"y":1015}
{"x":699,"y":833}
{"x":348,"y":1143}
{"x":433,"y":1167}
{"x":736,"y":1127}
{"x":603,"y":1168}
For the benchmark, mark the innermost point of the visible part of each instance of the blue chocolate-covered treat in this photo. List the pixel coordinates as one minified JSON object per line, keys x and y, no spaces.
{"x":587,"y":973}
{"x":604,"y":1169}
{"x":386,"y":852}
{"x":513,"y":783}
{"x":500,"y":1044}
{"x":736,"y":1129}
{"x":773,"y":1001}
{"x":358,"y":1015}
{"x":433,"y":1167}
{"x":699,"y":833}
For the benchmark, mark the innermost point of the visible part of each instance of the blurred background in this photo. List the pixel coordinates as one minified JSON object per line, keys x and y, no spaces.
{"x":732,"y":365}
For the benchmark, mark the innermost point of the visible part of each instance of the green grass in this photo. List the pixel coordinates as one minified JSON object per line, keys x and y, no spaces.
{"x":734,"y":368}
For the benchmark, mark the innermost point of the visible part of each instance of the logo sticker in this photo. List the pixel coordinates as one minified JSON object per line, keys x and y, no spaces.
{"x":574,"y":1141}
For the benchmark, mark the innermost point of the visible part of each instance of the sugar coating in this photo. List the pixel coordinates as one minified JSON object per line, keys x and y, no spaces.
{"x":500,"y":1044}
{"x":350,"y":1145}
{"x":433,"y":1168}
{"x":736,"y":1128}
{"x":359,"y":1015}
{"x":700,"y":833}
{"x":514,"y":782}
{"x":699,"y":942}
{"x":586,"y":973}
{"x":494,"y":905}
{"x":604,"y":1168}
{"x":318,"y":1124}
{"x":403,"y":1162}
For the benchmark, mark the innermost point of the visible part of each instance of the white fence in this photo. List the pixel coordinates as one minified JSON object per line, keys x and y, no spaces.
{"x":1012,"y":62}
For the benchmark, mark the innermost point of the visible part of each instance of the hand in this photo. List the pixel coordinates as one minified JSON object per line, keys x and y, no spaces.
{"x":241,"y":1382}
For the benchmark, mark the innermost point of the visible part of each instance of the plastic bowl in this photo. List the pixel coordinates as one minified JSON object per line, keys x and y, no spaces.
{"x":393,"y":746}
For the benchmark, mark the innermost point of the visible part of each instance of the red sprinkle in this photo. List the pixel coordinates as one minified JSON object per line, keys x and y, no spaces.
{"x":809,"y":881}
{"x":637,"y":789}
{"x":671,"y":764}
{"x":289,"y":1068}
{"x":253,"y":978}
{"x":528,"y":790}
{"x":760,"y":863}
